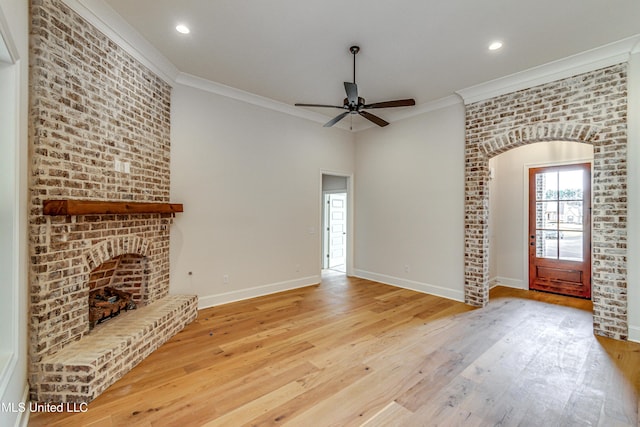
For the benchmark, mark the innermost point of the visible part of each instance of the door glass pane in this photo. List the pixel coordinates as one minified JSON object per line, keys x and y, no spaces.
{"x":570,"y":215}
{"x":547,"y":215}
{"x":571,"y":245}
{"x":547,"y":186}
{"x":559,"y":214}
{"x":570,"y":183}
{"x":547,"y":244}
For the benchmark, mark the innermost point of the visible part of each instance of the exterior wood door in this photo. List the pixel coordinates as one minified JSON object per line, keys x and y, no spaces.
{"x":560,"y":229}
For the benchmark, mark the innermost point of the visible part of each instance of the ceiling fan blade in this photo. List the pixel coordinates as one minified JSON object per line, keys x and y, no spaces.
{"x":352,"y":92}
{"x":335,"y":120}
{"x":396,"y":103}
{"x":319,"y":105}
{"x":375,"y":119}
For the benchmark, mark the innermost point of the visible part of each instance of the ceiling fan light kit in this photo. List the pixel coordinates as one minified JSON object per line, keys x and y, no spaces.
{"x":354,"y":104}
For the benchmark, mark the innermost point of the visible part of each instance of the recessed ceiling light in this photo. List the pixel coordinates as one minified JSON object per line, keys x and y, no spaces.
{"x":495,"y":45}
{"x":183,"y":29}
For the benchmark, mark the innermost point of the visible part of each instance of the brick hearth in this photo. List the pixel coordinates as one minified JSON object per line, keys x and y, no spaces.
{"x":84,"y":369}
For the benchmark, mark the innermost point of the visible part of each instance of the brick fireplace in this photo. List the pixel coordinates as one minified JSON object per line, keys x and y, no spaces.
{"x":99,"y":131}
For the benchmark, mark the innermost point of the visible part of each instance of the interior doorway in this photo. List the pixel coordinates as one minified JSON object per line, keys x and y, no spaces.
{"x":335,"y":223}
{"x":335,"y":232}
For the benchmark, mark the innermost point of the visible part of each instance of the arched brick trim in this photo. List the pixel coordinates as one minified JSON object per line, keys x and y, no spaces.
{"x":111,"y":248}
{"x":588,"y":108}
{"x":519,"y":136}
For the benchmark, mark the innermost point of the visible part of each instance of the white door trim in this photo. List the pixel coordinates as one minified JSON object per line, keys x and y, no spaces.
{"x":350,"y":216}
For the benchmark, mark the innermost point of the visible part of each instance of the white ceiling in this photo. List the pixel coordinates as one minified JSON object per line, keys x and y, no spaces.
{"x":298,"y":51}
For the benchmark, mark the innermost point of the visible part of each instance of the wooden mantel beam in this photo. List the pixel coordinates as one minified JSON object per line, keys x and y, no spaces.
{"x":99,"y":207}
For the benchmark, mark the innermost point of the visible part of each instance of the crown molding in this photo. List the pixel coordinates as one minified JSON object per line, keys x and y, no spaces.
{"x":427,"y":107}
{"x":112,"y":25}
{"x":251,"y":98}
{"x":594,"y":59}
{"x":260,"y":101}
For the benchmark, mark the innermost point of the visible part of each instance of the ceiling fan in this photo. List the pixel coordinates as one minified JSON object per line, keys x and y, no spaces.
{"x":355,"y":104}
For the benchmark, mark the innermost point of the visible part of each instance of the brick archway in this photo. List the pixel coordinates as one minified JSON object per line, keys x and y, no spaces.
{"x":122,"y":261}
{"x":589,"y":108}
{"x":111,"y":248}
{"x":524,"y":135}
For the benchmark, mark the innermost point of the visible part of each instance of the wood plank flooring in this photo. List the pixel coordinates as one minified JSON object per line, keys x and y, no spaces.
{"x":350,"y":352}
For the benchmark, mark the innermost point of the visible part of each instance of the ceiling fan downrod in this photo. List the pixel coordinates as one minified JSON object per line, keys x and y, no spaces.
{"x":354,"y":50}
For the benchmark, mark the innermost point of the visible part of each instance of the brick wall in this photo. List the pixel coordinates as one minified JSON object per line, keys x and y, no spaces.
{"x":588,"y":108}
{"x":91,"y":104}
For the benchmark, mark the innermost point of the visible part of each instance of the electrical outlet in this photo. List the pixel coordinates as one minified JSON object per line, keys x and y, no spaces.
{"x":406,"y":268}
{"x":225,"y":278}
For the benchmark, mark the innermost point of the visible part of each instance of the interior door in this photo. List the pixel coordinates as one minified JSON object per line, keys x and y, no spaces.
{"x":336,"y":230}
{"x":560,"y":229}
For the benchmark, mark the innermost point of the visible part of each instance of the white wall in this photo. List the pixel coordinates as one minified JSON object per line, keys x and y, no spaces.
{"x":633,"y":188}
{"x":508,"y":208}
{"x":250,"y":181}
{"x":13,"y":191}
{"x":409,"y":203}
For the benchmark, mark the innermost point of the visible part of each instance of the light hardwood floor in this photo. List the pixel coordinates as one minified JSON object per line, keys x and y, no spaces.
{"x":351,"y":352}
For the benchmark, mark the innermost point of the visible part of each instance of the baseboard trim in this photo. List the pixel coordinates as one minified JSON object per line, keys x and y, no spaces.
{"x":257,"y":291}
{"x":424,"y":288}
{"x":634,"y":334}
{"x":509,"y":283}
